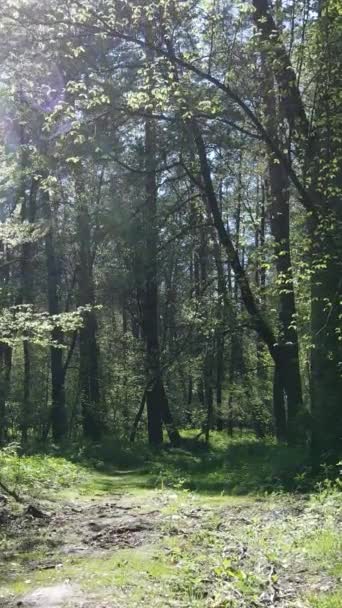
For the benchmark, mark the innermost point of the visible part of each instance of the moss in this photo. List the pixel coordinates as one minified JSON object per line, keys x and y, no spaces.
{"x":120,"y":568}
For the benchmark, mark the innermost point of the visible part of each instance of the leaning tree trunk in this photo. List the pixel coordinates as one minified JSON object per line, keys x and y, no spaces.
{"x":261,"y":325}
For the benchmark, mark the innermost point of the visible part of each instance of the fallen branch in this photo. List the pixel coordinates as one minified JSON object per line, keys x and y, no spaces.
{"x":30,"y":510}
{"x":11,"y":493}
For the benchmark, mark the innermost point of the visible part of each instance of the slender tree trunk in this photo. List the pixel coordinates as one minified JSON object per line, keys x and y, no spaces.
{"x":189,"y":401}
{"x":210,"y":406}
{"x":230,"y":421}
{"x":5,"y":383}
{"x":138,"y":418}
{"x":28,"y":214}
{"x":219,"y":380}
{"x":190,"y":391}
{"x":208,"y":368}
{"x":222,"y":313}
{"x":260,"y":281}
{"x":150,"y":296}
{"x":5,"y":362}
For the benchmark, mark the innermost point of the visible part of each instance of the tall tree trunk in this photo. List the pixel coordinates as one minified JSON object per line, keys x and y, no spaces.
{"x":89,"y":365}
{"x":190,"y":378}
{"x":221,"y":314}
{"x":208,"y":368}
{"x":158,"y":410}
{"x":279,"y":192}
{"x":59,"y":420}
{"x":326,"y":310}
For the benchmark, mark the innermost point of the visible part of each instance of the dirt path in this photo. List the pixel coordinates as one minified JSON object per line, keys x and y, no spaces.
{"x":83,"y":528}
{"x":171,"y":549}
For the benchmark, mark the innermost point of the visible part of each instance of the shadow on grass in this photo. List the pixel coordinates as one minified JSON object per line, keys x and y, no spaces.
{"x":223,"y":467}
{"x":238,"y":467}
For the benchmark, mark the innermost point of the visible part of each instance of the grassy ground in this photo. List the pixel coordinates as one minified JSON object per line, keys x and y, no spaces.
{"x":233,"y":525}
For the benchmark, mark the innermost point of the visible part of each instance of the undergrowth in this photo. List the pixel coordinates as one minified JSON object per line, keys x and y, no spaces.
{"x":224,"y":466}
{"x":37,"y":475}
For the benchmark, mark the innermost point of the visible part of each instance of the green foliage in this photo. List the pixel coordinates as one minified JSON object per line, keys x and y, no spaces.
{"x":36,"y":475}
{"x":24,"y":323}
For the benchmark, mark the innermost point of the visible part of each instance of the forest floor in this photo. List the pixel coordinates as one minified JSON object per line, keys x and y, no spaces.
{"x":136,"y":538}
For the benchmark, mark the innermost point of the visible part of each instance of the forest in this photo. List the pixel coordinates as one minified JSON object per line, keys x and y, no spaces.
{"x":170,"y":303}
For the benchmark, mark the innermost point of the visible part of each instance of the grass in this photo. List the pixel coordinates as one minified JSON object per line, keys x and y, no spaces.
{"x":333,"y":600}
{"x":325,"y":547}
